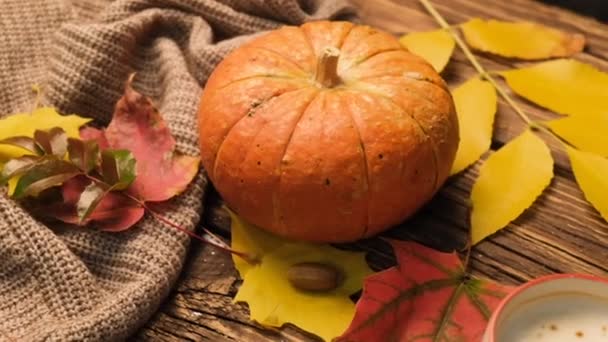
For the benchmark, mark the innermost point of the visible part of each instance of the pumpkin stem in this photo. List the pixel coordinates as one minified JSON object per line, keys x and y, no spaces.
{"x":327,"y":68}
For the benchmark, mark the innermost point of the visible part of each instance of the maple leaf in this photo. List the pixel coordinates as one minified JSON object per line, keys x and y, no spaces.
{"x":274,"y":301}
{"x":434,"y":46}
{"x":138,"y":127}
{"x":428,"y":296}
{"x":525,"y":40}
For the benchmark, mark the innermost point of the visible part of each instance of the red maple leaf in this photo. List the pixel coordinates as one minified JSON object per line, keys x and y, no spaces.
{"x":428,"y":296}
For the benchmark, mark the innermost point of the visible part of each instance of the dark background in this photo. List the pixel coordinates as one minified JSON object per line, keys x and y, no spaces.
{"x":594,"y":8}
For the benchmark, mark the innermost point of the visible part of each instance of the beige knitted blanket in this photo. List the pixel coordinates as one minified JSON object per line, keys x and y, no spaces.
{"x":68,"y":284}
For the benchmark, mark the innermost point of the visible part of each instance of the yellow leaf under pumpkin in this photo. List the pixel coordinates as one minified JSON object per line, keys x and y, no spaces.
{"x":509,"y":182}
{"x":524,"y":40}
{"x":273,"y":301}
{"x":587,"y":133}
{"x":475,"y":102}
{"x":590,"y":171}
{"x":434,"y":46}
{"x":564,"y":86}
{"x":25,"y":124}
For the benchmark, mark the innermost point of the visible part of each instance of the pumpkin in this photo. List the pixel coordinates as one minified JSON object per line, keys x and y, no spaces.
{"x":327,"y":132}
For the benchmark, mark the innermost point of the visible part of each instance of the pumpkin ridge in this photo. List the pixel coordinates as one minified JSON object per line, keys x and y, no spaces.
{"x":426,"y":134}
{"x":310,"y":46}
{"x":291,"y":78}
{"x":365,"y":59}
{"x":423,"y":95}
{"x":341,"y":43}
{"x":441,"y":86}
{"x":364,"y":156}
{"x":294,"y":63}
{"x":266,"y":100}
{"x":277,"y":194}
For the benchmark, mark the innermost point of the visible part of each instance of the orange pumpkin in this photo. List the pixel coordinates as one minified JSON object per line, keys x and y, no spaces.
{"x":328,"y":132}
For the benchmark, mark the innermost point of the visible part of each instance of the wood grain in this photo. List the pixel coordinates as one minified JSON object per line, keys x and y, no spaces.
{"x":560,"y":233}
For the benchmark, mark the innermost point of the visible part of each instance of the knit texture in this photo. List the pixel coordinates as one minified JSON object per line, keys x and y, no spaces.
{"x":63,"y":283}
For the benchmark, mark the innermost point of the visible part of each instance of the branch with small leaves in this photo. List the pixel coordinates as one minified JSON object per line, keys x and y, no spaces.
{"x":105,"y":178}
{"x":526,"y":159}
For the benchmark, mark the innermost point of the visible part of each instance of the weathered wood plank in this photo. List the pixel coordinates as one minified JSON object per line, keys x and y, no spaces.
{"x":560,"y":233}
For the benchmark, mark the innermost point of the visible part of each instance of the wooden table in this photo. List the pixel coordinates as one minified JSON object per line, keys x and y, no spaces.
{"x":561,"y":233}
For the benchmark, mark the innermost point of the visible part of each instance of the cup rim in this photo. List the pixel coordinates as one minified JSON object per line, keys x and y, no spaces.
{"x":491,"y":327}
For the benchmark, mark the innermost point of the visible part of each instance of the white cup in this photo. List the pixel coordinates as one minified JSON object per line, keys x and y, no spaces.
{"x":556,"y":308}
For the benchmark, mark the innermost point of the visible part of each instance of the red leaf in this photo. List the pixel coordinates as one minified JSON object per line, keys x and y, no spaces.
{"x":88,"y":133}
{"x":115,"y":212}
{"x":137,"y":126}
{"x":426,"y":297}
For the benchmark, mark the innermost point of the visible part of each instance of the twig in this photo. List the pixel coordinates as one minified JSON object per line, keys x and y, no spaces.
{"x":540,"y":126}
{"x":216,"y":242}
{"x":480,"y":69}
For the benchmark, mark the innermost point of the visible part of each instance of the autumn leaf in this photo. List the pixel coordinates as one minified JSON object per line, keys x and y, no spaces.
{"x":44,"y":175}
{"x":524,"y":40}
{"x":564,"y":86}
{"x":509,"y":182}
{"x":138,"y":127}
{"x":84,"y":154}
{"x":590,"y":171}
{"x":434,"y":46}
{"x":586,"y":133}
{"x":475,"y":102}
{"x":273,"y":301}
{"x":110,"y":211}
{"x":428,"y":296}
{"x":16,"y":167}
{"x":25,"y":124}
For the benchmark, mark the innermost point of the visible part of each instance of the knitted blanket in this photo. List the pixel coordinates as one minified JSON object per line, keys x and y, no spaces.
{"x":65,"y":283}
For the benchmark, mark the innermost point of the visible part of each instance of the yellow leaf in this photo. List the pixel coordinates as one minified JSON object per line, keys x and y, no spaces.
{"x":475,"y":103}
{"x":508,"y":183}
{"x":590,"y":171}
{"x":273,"y":301}
{"x":434,"y":46}
{"x":565,"y":86}
{"x":26,"y":123}
{"x":586,"y":133}
{"x":523,"y":40}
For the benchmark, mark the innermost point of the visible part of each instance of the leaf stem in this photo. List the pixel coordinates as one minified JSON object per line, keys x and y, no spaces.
{"x":215,"y":241}
{"x":471,"y":57}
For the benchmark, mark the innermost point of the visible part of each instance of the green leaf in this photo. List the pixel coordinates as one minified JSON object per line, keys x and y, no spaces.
{"x":118,"y":168}
{"x":84,"y":154}
{"x":23,"y":142}
{"x":89,"y":199}
{"x":53,"y":141}
{"x":16,"y":167}
{"x":52,"y":172}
